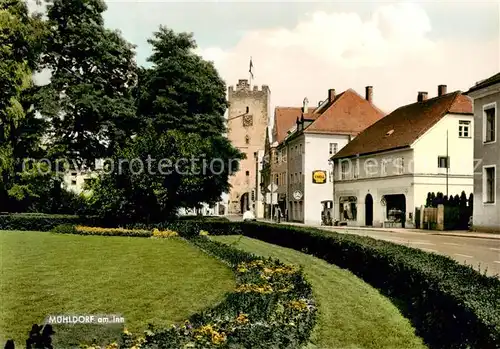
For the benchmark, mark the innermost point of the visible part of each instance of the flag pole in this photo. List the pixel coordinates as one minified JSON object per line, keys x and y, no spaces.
{"x":250,"y":72}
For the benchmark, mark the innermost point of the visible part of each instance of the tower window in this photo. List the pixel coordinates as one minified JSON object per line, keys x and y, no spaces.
{"x":247,"y":140}
{"x":248,"y":109}
{"x":247,"y":173}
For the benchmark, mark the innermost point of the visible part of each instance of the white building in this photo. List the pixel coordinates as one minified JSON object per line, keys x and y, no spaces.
{"x":257,"y":195}
{"x":388,"y":170}
{"x":318,"y":135}
{"x":486,"y":95}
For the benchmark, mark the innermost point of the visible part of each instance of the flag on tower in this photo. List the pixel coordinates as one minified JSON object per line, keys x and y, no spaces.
{"x":251,"y":67}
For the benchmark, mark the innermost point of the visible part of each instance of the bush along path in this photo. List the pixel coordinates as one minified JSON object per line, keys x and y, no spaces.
{"x":451,"y":306}
{"x":271,"y":308}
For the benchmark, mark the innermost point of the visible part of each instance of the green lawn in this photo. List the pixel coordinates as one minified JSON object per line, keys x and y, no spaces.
{"x":352,"y":314}
{"x":145,"y":280}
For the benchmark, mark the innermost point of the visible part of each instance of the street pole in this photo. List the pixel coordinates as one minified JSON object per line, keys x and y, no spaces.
{"x":447,"y":163}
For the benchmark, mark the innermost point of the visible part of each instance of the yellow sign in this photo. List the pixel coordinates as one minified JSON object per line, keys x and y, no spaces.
{"x":319,"y":177}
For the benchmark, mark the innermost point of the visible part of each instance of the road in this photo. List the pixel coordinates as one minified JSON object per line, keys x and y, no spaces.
{"x":482,"y":253}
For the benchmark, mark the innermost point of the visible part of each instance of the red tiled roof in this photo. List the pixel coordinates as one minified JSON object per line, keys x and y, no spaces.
{"x":348,"y":114}
{"x":284,"y":119}
{"x":407,"y":123}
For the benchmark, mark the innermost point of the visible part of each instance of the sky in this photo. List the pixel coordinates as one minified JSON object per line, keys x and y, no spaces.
{"x":302,"y":49}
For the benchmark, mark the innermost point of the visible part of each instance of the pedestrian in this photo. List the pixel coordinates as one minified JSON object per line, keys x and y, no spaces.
{"x":278,"y":214}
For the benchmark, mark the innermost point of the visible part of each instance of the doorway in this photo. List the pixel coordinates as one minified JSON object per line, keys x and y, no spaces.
{"x":244,"y":203}
{"x":369,"y":210}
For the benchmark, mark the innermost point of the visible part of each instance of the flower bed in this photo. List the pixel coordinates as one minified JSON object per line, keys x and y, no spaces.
{"x":84,"y":230}
{"x":272,"y":307}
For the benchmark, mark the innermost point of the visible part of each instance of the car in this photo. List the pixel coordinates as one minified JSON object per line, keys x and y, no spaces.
{"x":248,"y":216}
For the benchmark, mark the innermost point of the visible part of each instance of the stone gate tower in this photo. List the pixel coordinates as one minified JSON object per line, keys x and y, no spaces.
{"x":248,"y":118}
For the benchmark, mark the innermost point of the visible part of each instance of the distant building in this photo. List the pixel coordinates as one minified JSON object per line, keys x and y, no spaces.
{"x":248,"y":118}
{"x":257,"y":195}
{"x":384,"y":173}
{"x":486,"y":97}
{"x":307,"y":147}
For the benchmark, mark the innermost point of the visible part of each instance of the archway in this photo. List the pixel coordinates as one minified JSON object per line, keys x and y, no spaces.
{"x":244,"y":203}
{"x":369,"y":210}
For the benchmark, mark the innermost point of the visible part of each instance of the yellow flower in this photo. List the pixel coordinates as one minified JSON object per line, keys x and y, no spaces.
{"x":203,"y":233}
{"x":126,"y":332}
{"x":242,"y":319}
{"x":113,"y":345}
{"x":218,"y":338}
{"x":164,"y":233}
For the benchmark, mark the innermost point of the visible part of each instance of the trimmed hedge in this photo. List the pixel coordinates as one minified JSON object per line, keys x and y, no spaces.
{"x":451,"y":305}
{"x":47,"y":222}
{"x":84,"y":230}
{"x":39,"y":222}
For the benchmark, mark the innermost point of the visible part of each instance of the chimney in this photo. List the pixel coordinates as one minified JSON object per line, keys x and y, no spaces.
{"x":305,"y":106}
{"x":369,"y":93}
{"x":442,"y":90}
{"x":422,"y":96}
{"x":331,"y":95}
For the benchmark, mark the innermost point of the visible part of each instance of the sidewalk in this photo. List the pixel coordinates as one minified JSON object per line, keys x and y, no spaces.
{"x":459,"y":233}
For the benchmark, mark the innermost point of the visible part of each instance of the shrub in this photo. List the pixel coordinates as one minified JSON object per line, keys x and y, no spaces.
{"x":272,"y":307}
{"x":451,"y":305}
{"x":84,"y":230}
{"x":164,"y":233}
{"x":38,"y":222}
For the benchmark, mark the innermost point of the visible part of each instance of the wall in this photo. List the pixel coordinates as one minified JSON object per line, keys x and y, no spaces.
{"x":433,"y":144}
{"x":258,"y":102}
{"x":486,"y":217}
{"x":74,"y":180}
{"x":295,"y":162}
{"x":377,"y":188}
{"x":317,"y":155}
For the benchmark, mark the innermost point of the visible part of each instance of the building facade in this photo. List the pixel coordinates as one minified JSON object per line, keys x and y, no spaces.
{"x":248,"y":118}
{"x":387,"y":171}
{"x":318,"y":134}
{"x":486,"y":97}
{"x":258,"y":197}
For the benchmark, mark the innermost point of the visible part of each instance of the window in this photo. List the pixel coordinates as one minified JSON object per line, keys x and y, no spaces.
{"x":276,"y":179}
{"x":489,"y":185}
{"x":247,"y":140}
{"x":400,"y":166}
{"x":300,"y":177}
{"x":279,"y":156}
{"x":344,"y":170}
{"x":73,"y":182}
{"x":247,"y":173}
{"x":489,"y":123}
{"x":443,"y":162}
{"x":464,"y":129}
{"x":73,"y":174}
{"x":300,"y":148}
{"x":356,"y":169}
{"x":333,"y":148}
{"x":291,"y":178}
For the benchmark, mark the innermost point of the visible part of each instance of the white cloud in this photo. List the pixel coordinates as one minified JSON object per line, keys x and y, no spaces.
{"x":390,"y":50}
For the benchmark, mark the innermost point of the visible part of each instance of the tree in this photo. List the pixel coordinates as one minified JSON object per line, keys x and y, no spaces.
{"x":181,"y":91}
{"x":160,"y":173}
{"x":181,"y":101}
{"x":89,"y":99}
{"x":21,"y":37}
{"x":428,"y":201}
{"x":463,"y":199}
{"x":470,"y":201}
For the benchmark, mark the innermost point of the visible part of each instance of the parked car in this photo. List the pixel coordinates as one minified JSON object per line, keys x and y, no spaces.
{"x":248,"y":216}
